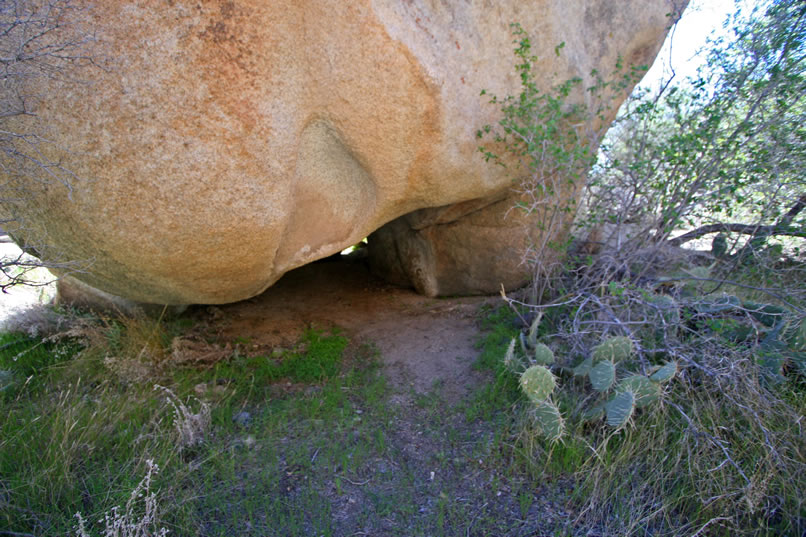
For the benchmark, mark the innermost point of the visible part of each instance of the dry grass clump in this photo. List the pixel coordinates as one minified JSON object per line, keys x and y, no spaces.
{"x":189,"y":351}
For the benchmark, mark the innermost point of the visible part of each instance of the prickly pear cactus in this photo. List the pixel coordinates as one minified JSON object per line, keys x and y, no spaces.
{"x":800,"y":336}
{"x":602,"y":375}
{"x":593,"y":414}
{"x":584,"y":367}
{"x":510,"y":362}
{"x":532,"y":336}
{"x":537,"y":383}
{"x":549,"y":419}
{"x":613,"y":349}
{"x":667,"y":307}
{"x":543,"y":354}
{"x":645,"y":391}
{"x":620,"y":408}
{"x":617,"y":400}
{"x":665,"y":373}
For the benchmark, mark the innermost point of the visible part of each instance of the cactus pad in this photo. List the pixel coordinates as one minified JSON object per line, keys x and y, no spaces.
{"x":613,"y":349}
{"x":602,"y":375}
{"x":800,"y":335}
{"x":667,"y":307}
{"x":537,"y":383}
{"x":584,"y":367}
{"x":593,"y":414}
{"x":524,"y":345}
{"x":620,"y":408}
{"x":543,"y":354}
{"x":548,"y":417}
{"x":665,"y":373}
{"x":646,"y":392}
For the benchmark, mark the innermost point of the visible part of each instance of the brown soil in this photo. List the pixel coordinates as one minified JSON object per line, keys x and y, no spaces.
{"x":421,"y":341}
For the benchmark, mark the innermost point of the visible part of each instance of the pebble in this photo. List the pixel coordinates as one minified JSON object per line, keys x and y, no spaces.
{"x":242,"y":418}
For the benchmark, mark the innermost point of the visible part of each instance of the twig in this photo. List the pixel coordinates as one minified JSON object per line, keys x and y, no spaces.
{"x":729,"y":282}
{"x":714,"y":441}
{"x":699,"y":531}
{"x":473,"y":520}
{"x":356,"y":483}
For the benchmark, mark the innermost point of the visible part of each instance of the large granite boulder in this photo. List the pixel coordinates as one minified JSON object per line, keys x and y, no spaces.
{"x":221,"y":144}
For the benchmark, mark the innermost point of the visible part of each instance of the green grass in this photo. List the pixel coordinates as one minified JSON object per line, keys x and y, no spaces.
{"x":499,"y":326}
{"x":317,"y":359}
{"x":25,"y":361}
{"x":75,"y":438}
{"x":323,"y":452}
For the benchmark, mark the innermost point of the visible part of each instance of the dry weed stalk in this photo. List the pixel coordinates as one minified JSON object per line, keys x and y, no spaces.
{"x":129,"y":523}
{"x":190,"y":426}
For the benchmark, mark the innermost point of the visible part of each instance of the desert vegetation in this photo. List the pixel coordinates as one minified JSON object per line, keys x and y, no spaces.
{"x":671,"y":378}
{"x":650,"y":381}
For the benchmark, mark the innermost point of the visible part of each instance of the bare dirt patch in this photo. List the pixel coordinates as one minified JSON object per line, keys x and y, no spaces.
{"x":422,"y":341}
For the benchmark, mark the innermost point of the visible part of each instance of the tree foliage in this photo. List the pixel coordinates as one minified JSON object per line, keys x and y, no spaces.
{"x":726,"y":149}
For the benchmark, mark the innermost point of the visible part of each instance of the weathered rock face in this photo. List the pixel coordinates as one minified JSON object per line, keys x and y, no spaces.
{"x":228,"y":142}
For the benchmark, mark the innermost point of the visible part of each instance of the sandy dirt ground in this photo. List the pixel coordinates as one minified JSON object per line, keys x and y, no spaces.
{"x":422,"y":341}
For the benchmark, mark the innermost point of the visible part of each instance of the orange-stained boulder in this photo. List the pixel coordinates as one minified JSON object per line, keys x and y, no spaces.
{"x":224,"y":143}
